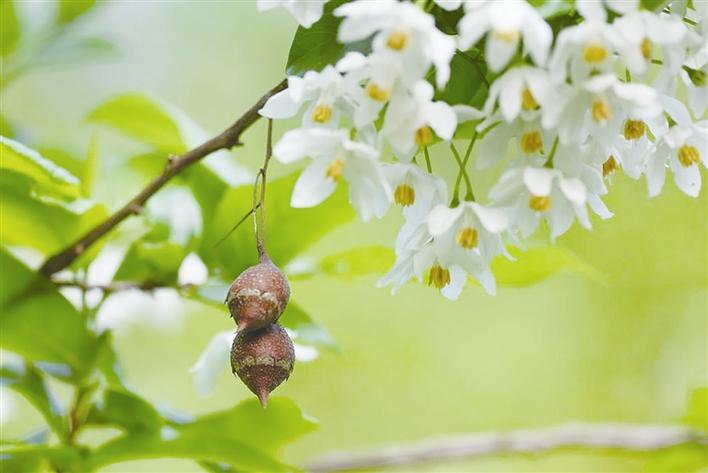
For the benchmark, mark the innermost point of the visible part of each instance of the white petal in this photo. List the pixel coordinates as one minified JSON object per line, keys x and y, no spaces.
{"x":441,"y":118}
{"x":592,"y":10}
{"x":599,"y":207}
{"x":510,"y":97}
{"x":212,"y":363}
{"x":458,"y":279}
{"x":192,"y":270}
{"x":279,"y":106}
{"x":538,"y":37}
{"x":499,"y":52}
{"x":656,"y":174}
{"x":538,"y":181}
{"x":303,"y":142}
{"x":441,"y":218}
{"x":313,"y":186}
{"x":307,"y":12}
{"x":574,"y":190}
{"x":493,"y":219}
{"x":472,"y":27}
{"x":488,"y":282}
{"x":560,"y":217}
{"x":687,"y":178}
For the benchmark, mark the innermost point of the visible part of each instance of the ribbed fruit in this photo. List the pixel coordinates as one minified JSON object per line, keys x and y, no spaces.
{"x":258,"y":296}
{"x":263,"y":359}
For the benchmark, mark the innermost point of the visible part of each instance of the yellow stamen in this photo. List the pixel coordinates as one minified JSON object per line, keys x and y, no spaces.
{"x":404,"y":195}
{"x":528,"y":101}
{"x":423,"y":136}
{"x":467,"y":238}
{"x":646,"y":48}
{"x":438,"y":277}
{"x":540,"y":203}
{"x":531,"y":142}
{"x":322,"y":113}
{"x":507,"y":36}
{"x":609,"y":166}
{"x":376,"y":93}
{"x":601,"y":111}
{"x":397,"y":40}
{"x":688,"y":155}
{"x":594,"y":53}
{"x":335,"y":169}
{"x":634,"y":129}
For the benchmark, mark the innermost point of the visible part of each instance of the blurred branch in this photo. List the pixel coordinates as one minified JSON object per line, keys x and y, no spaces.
{"x":118,"y":286}
{"x":585,"y":435}
{"x":226,"y":140}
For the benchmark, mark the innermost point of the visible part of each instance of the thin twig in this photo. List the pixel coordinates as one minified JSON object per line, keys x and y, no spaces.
{"x":238,"y":224}
{"x":586,"y":435}
{"x":226,"y":140}
{"x":118,"y":286}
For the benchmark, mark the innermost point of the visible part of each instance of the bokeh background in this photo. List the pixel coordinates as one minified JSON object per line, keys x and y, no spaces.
{"x":629,"y":346}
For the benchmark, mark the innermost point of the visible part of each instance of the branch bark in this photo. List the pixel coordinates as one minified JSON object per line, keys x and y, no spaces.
{"x":595,"y":436}
{"x":226,"y":140}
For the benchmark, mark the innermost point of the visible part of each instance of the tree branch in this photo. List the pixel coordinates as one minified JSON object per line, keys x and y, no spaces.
{"x":226,"y":140}
{"x":596,"y":436}
{"x":118,"y":286}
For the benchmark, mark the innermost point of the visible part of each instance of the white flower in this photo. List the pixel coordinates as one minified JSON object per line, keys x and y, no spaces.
{"x":694,"y":75}
{"x":595,"y":9}
{"x":533,"y":142}
{"x":598,"y":107}
{"x":505,"y":21}
{"x":412,"y":117}
{"x":403,"y":32}
{"x":684,"y":146}
{"x":326,"y":91}
{"x":414,"y":189}
{"x":335,"y":157}
{"x":450,"y":278}
{"x":468,"y":233}
{"x":306,"y":12}
{"x":533,"y":194}
{"x":643,"y":30}
{"x":589,"y":48}
{"x":519,"y":91}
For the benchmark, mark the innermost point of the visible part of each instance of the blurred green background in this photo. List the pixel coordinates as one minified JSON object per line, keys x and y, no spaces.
{"x":412,"y":366}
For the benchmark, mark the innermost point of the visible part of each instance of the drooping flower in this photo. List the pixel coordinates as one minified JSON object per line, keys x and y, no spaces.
{"x":533,"y":194}
{"x":306,"y":12}
{"x":519,"y":91}
{"x":403,"y":32}
{"x":335,"y":157}
{"x":412,"y":118}
{"x":414,"y":189}
{"x":505,"y":22}
{"x":325,"y":92}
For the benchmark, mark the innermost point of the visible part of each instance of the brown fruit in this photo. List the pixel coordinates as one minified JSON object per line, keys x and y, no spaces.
{"x":263,"y":359}
{"x":258,"y":296}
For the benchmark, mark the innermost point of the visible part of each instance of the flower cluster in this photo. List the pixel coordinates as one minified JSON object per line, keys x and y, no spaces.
{"x":568,"y":104}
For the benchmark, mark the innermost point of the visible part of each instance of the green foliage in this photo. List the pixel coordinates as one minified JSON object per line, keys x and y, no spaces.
{"x":154,"y":262}
{"x":654,"y":5}
{"x":61,"y":341}
{"x":697,"y":411}
{"x":9,"y":27}
{"x":70,"y":10}
{"x":289,"y":231}
{"x":314,"y":48}
{"x":47,"y":177}
{"x":308,"y":332}
{"x":143,"y":119}
{"x":467,"y":80}
{"x":537,"y":263}
{"x":122,"y":408}
{"x":28,"y":381}
{"x":245,"y":436}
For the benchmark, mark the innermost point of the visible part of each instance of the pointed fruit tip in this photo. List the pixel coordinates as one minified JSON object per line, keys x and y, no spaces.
{"x":263,"y":397}
{"x":241,"y":325}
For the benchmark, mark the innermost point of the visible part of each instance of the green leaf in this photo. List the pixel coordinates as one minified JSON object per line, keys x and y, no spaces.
{"x":90,"y":168}
{"x":154,"y":262}
{"x":36,"y":458}
{"x":290,"y":231}
{"x":70,"y":10}
{"x":74,"y":50}
{"x":29,"y":382}
{"x":359,"y":261}
{"x":697,"y":411}
{"x":314,"y":48}
{"x":538,"y":263}
{"x":308,"y":331}
{"x":47,"y":176}
{"x":654,"y":5}
{"x":245,"y":436}
{"x":122,"y":408}
{"x":9,"y":27}
{"x":143,"y":119}
{"x":467,"y":80}
{"x":43,"y":224}
{"x":41,"y":325}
